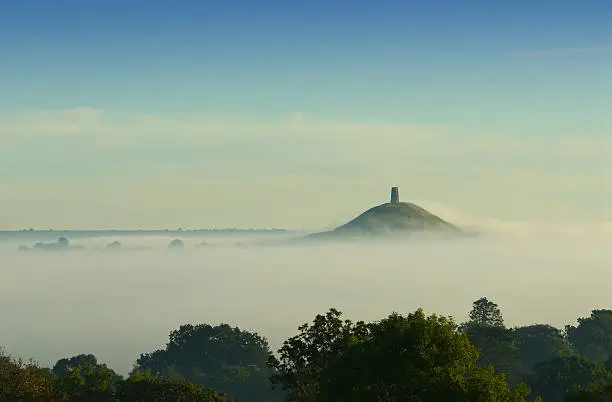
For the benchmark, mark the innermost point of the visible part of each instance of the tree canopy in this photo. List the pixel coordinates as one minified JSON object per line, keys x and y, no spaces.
{"x":400,"y":358}
{"x":485,"y":313}
{"x":539,"y":343}
{"x":220,"y":357}
{"x":597,"y":392}
{"x":147,"y":388}
{"x":552,"y":378}
{"x":413,"y":357}
{"x":593,"y":335}
{"x":497,"y":345}
{"x":25,"y":381}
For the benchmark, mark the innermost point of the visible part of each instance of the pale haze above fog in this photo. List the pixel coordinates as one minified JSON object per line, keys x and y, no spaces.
{"x":119,"y":305}
{"x":83,"y":168}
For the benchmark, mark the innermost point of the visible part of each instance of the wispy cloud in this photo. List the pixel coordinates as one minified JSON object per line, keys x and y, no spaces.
{"x":111,"y":127}
{"x":127,"y":128}
{"x":566,"y":52}
{"x":121,"y":160}
{"x":364,"y":143}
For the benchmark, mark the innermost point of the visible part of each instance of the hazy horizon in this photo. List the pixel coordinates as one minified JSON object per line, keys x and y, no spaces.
{"x":489,"y":225}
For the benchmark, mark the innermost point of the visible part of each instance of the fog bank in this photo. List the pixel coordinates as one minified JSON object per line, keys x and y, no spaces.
{"x":118,"y":305}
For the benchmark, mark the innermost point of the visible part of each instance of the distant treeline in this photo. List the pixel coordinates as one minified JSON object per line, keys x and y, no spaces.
{"x":414,"y":357}
{"x":8,"y":234}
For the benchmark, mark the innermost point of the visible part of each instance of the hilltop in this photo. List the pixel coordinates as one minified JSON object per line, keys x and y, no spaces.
{"x":392,"y":219}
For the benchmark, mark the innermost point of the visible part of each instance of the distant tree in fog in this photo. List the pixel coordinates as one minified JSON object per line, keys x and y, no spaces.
{"x":114,"y":246}
{"x":176,"y":243}
{"x":62,"y":241}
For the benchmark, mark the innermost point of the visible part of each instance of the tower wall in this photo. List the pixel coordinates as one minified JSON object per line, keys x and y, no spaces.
{"x":394,"y":195}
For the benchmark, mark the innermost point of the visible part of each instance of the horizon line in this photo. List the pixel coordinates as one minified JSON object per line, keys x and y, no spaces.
{"x":179,"y":230}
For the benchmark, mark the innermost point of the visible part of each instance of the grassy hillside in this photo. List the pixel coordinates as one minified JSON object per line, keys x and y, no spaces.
{"x":392,"y":219}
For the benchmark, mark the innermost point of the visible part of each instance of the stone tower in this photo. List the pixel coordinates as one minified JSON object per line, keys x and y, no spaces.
{"x":394,"y":195}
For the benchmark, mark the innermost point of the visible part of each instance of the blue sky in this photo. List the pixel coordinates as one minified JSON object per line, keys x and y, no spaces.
{"x":109,"y":105}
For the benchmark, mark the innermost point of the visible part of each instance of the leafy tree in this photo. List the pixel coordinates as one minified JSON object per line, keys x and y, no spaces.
{"x":25,"y":382}
{"x":89,"y":383}
{"x":539,"y":343}
{"x":303,"y":357}
{"x":64,"y":366}
{"x":412,"y":358}
{"x":496,"y":344}
{"x":84,"y":379}
{"x":483,"y":384}
{"x":593,"y":335}
{"x":552,"y":378}
{"x":485,"y":313}
{"x":147,"y":388}
{"x":222,"y":358}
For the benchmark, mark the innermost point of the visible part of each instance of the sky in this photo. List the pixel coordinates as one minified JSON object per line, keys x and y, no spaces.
{"x":199,"y":114}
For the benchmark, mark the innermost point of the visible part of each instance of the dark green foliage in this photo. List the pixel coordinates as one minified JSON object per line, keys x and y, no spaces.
{"x":146,"y":388}
{"x":305,"y":356}
{"x":83,"y":379}
{"x":496,"y":344}
{"x":593,"y":335}
{"x":222,"y":358}
{"x":553,"y":377}
{"x":538,"y":343}
{"x":64,"y":366}
{"x":400,"y":358}
{"x":497,"y":347}
{"x":89,"y":383}
{"x":483,"y":384}
{"x":406,"y":356}
{"x":601,"y":392}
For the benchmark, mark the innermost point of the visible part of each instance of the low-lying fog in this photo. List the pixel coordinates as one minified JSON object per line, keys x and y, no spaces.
{"x":118,"y":305}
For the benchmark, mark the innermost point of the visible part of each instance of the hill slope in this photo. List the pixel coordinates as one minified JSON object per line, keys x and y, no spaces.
{"x":392,"y":219}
